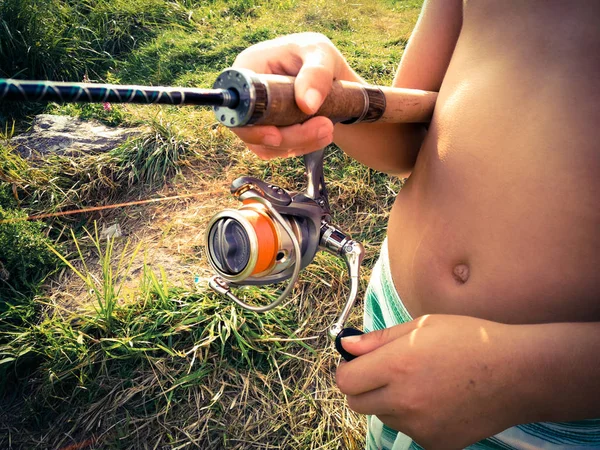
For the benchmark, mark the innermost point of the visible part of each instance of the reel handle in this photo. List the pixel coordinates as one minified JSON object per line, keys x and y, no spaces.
{"x":267,"y":99}
{"x":338,"y":342}
{"x":335,"y":241}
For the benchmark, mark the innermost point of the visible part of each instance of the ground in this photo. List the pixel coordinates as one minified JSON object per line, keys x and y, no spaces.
{"x":131,"y":353}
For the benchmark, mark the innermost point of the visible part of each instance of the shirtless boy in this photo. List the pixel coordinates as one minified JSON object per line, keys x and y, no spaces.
{"x":494,"y":242}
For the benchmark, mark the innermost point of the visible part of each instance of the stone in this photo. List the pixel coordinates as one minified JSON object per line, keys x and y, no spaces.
{"x":112,"y":232}
{"x":65,"y":135}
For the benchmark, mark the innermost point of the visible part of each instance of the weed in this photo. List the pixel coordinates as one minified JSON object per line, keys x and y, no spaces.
{"x":258,"y":35}
{"x":24,"y":258}
{"x":37,"y":40}
{"x":105,"y":289}
{"x":78,"y":180}
{"x":7,"y":199}
{"x":113,"y":115}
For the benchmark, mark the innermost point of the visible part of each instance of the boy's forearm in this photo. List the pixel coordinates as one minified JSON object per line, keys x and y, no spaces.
{"x":393,"y":148}
{"x":561,"y":372}
{"x":389,"y":148}
{"x":386,"y":147}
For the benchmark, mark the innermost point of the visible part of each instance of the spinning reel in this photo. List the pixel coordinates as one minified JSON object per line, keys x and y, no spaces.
{"x":274,"y":235}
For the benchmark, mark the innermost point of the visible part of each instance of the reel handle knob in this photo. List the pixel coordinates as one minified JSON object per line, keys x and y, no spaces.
{"x":338,"y":342}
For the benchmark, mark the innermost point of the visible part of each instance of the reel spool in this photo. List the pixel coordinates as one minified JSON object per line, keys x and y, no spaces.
{"x":274,"y":235}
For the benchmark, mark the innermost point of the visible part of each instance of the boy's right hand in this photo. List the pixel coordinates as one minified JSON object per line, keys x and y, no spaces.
{"x":316,"y":63}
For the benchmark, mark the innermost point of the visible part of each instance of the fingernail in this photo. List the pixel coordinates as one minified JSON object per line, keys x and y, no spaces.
{"x":351,"y":339}
{"x":272,"y":140}
{"x":313,"y":99}
{"x":324,"y":132}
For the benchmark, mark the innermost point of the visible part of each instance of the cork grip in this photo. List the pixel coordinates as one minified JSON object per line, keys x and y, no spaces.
{"x":408,"y":105}
{"x":348,"y":102}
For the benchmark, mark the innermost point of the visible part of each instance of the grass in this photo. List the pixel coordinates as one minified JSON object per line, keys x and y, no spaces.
{"x":108,"y":343}
{"x":61,"y":181}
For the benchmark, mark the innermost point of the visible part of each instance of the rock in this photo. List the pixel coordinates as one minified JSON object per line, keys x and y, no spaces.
{"x":66,"y":135}
{"x":112,"y":232}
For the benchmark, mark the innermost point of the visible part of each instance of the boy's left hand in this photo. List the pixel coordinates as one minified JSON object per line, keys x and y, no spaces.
{"x":445,"y":381}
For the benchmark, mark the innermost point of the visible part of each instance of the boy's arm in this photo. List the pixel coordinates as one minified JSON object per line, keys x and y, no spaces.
{"x":564,"y":382}
{"x":393,"y":148}
{"x":449,"y":381}
{"x":316,"y":62}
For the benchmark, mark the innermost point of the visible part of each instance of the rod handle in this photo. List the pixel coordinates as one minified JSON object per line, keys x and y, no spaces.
{"x":267,"y":99}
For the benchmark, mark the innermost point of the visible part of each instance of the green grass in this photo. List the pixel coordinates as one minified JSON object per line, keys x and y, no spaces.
{"x":163,"y":367}
{"x":60,"y":181}
{"x":137,"y":358}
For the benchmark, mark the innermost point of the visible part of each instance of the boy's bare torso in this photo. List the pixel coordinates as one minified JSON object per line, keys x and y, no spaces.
{"x":500,"y":218}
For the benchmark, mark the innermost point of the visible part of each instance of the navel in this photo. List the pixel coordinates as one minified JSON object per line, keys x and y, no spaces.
{"x":461,"y":273}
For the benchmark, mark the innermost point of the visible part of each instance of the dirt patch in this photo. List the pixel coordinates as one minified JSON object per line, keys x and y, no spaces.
{"x":166,"y":238}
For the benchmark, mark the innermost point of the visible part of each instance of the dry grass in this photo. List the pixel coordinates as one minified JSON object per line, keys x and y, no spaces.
{"x":283,"y":396}
{"x":168,"y":364}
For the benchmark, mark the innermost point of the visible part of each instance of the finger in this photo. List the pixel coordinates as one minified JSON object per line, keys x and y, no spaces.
{"x":277,"y":56}
{"x":307,"y":137}
{"x":374,"y":402}
{"x":313,"y":82}
{"x":260,"y":135}
{"x":279,"y":60}
{"x":314,"y":133}
{"x":267,"y":153}
{"x":365,"y":343}
{"x":370,"y":371}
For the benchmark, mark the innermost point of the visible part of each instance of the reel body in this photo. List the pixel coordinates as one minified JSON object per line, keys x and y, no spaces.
{"x":275,"y":234}
{"x":251,"y":246}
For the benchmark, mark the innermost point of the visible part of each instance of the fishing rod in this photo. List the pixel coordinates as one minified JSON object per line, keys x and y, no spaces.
{"x":275,"y":233}
{"x":241,"y":97}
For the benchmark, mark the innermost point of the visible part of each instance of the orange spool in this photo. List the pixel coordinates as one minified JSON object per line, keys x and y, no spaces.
{"x":266,"y":234}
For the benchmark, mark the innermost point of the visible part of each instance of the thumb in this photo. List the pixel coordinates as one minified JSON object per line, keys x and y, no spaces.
{"x":365,"y":343}
{"x":314,"y":80}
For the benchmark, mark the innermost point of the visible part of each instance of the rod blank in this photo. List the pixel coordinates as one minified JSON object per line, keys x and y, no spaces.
{"x":49,"y":91}
{"x":241,"y":97}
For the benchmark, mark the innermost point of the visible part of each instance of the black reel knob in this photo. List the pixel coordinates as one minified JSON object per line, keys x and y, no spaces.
{"x":338,"y":342}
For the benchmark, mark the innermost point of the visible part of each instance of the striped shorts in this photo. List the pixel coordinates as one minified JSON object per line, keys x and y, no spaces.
{"x":383,"y":309}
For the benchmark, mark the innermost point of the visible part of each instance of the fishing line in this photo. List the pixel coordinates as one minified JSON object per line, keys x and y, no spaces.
{"x":105,"y":207}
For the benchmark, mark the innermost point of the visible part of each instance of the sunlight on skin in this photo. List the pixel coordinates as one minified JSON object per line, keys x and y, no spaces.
{"x":413,"y":335}
{"x":447,"y":132}
{"x":485,"y":338}
{"x":422,"y":321}
{"x":484,"y":335}
{"x":420,"y":324}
